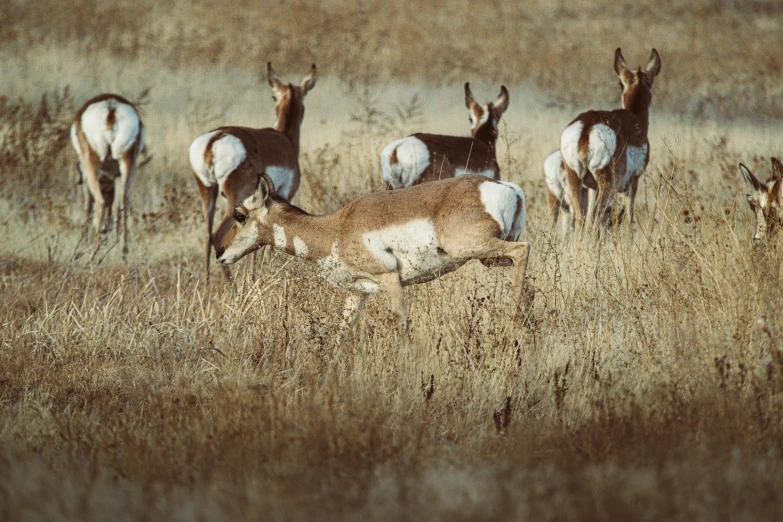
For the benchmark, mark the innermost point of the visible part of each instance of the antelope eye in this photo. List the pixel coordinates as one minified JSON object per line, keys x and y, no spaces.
{"x":274,"y":99}
{"x":240,"y":218}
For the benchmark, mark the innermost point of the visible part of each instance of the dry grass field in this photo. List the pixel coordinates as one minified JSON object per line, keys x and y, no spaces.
{"x":649,"y":387}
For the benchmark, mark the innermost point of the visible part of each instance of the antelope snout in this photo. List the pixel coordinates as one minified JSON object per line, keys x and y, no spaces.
{"x":219,"y":251}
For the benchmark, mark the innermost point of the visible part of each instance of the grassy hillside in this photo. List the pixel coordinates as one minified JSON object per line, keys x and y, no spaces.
{"x":649,"y":386}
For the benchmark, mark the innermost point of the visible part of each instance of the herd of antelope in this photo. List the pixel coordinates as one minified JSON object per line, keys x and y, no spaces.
{"x":445,"y":205}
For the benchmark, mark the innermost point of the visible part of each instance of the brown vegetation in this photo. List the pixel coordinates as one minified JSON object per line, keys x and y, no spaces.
{"x":649,"y":387}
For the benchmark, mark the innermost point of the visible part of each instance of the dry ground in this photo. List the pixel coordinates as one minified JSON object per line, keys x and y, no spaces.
{"x":650,"y":386}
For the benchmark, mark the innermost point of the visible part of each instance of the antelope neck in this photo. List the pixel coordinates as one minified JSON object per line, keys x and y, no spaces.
{"x":317,"y":233}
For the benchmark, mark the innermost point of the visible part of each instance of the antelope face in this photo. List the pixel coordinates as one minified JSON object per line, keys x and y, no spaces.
{"x":765,"y":200}
{"x":248,"y":230}
{"x":636,"y":85}
{"x":484,"y":118}
{"x":289,"y":98}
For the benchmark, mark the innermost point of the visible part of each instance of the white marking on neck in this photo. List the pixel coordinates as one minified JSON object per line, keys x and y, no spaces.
{"x":279,"y":236}
{"x":300,"y":247}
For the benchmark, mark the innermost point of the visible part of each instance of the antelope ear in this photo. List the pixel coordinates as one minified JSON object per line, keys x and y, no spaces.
{"x":309,"y":81}
{"x":749,"y":177}
{"x":777,"y":169}
{"x":469,"y":101}
{"x":619,"y":65}
{"x":653,"y":64}
{"x":501,"y":104}
{"x":274,"y":81}
{"x":266,"y":188}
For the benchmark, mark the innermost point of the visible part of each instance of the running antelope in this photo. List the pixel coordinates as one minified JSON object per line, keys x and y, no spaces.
{"x":765,"y":200}
{"x":384,"y":241}
{"x":607,"y":151}
{"x":108,"y":135}
{"x":218,"y":157}
{"x":420,"y":158}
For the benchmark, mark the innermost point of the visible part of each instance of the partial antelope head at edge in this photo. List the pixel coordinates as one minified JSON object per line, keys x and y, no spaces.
{"x":766,"y":199}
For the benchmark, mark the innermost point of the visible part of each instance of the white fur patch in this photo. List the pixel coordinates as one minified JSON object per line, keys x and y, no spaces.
{"x":114,"y":140}
{"x":300,"y":247}
{"x":413,"y":158}
{"x":197,"y":163}
{"x":244,"y":241}
{"x":227,"y":153}
{"x":556,"y":177}
{"x":602,"y":144}
{"x":569,"y":147}
{"x":283,"y":179}
{"x":279,"y":236}
{"x":635,"y":158}
{"x":500,"y":201}
{"x":412,"y":249}
{"x":462,"y":172}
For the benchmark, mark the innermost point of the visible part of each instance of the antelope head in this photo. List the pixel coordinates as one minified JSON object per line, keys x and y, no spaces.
{"x":765,"y":200}
{"x":250,"y":229}
{"x":484,"y":118}
{"x":636,"y":85}
{"x":289,"y":98}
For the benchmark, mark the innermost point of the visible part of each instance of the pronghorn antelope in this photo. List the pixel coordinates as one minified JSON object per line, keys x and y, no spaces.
{"x":108,"y":135}
{"x":218,"y":157}
{"x":420,"y":158}
{"x":766,"y":200}
{"x":608,"y":151}
{"x":386,"y":240}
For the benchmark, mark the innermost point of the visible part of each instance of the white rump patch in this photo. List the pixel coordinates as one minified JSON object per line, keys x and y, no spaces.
{"x":555,"y":176}
{"x":602,"y":144}
{"x":413,"y":158}
{"x":244,"y":241}
{"x":300,"y":247}
{"x":283,"y":179}
{"x":279,"y":236}
{"x":462,"y":172}
{"x":635,"y":158}
{"x":227,"y":153}
{"x":197,"y":161}
{"x":569,"y":147}
{"x":114,"y":140}
{"x":500,"y":200}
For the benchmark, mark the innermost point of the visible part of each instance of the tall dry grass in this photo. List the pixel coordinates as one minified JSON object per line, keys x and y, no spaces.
{"x":648,"y":387}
